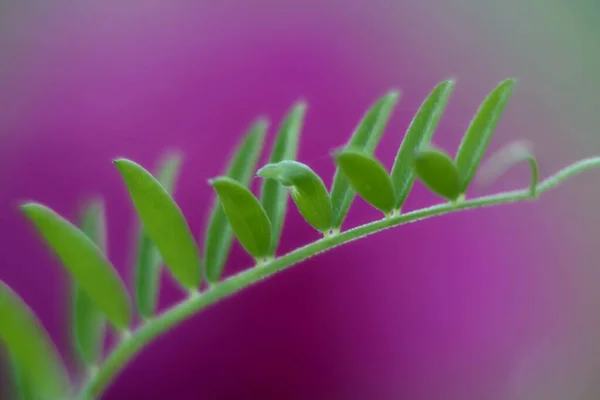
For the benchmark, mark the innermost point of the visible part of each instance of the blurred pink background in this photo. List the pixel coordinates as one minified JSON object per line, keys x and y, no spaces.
{"x":492,"y":304}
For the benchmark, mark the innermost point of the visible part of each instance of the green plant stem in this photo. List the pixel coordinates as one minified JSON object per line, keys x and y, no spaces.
{"x":152,"y":328}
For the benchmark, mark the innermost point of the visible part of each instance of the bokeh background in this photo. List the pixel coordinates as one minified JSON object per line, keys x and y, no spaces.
{"x":498,"y":303}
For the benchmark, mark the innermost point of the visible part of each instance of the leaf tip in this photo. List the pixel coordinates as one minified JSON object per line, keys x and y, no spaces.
{"x":30,"y":207}
{"x":217,"y":181}
{"x":507,"y":85}
{"x":262,"y":122}
{"x":120,"y":163}
{"x":449,"y":83}
{"x":27,"y":205}
{"x":392,"y":94}
{"x":300,"y":105}
{"x":268,"y":171}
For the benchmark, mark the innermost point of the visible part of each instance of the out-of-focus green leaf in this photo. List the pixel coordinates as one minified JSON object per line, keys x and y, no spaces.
{"x":502,"y":160}
{"x":86,"y":263}
{"x":35,"y":359}
{"x":88,"y":321}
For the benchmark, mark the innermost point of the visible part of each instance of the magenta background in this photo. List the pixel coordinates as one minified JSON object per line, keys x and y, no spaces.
{"x":442,"y":309}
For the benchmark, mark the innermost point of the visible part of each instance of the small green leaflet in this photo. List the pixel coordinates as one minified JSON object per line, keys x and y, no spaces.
{"x":90,"y":269}
{"x":148,"y":260}
{"x":437,"y":171}
{"x":247,"y":217}
{"x":274,"y":196}
{"x":419,"y":134}
{"x":164,"y":223}
{"x":365,"y":138}
{"x":368,"y":177}
{"x":35,"y":359}
{"x":219,"y":235}
{"x":88,"y":322}
{"x":476,"y":140}
{"x":307,"y":189}
{"x":505,"y":158}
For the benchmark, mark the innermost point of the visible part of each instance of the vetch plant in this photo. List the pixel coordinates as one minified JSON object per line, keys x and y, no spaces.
{"x":101,"y":300}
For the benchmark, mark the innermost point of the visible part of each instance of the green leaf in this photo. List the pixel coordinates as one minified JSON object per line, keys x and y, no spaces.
{"x":22,"y":387}
{"x":273,"y":195}
{"x":365,"y":138}
{"x":164,"y":222}
{"x":90,"y":269}
{"x":307,"y":189}
{"x":88,"y":321}
{"x":419,"y":134}
{"x":149,"y":260}
{"x":502,"y":160}
{"x":219,"y":235}
{"x":437,"y":171}
{"x":13,"y":384}
{"x":475,"y":141}
{"x":368,"y":177}
{"x":35,"y":359}
{"x":247,"y":217}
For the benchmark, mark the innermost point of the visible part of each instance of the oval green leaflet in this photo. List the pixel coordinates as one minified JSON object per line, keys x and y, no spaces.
{"x":437,"y":171}
{"x":368,"y":177}
{"x":418,"y":135}
{"x":307,"y":189}
{"x":86,"y":263}
{"x":365,"y":138}
{"x":164,"y":223}
{"x":148,"y":260}
{"x":503,"y":159}
{"x":33,"y":355}
{"x":477,"y":137}
{"x":274,"y":197}
{"x":88,"y":322}
{"x":246,"y":216}
{"x":219,"y":236}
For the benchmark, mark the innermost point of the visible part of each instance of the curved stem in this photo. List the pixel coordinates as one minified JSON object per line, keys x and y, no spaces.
{"x":152,"y":328}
